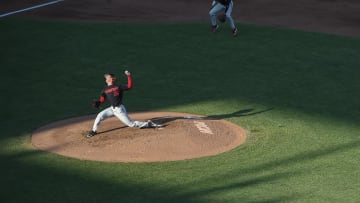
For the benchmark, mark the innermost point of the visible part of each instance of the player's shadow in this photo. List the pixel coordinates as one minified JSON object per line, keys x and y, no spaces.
{"x":110,"y":130}
{"x":244,"y":112}
{"x":240,"y":113}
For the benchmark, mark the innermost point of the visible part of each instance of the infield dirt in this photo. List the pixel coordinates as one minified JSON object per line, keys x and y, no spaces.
{"x":341,"y":17}
{"x":184,"y":136}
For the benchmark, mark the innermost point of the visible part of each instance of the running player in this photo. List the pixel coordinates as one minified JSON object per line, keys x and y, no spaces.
{"x":218,"y":6}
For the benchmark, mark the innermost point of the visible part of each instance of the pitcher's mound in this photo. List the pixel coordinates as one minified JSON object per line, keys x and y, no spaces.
{"x":184,"y":136}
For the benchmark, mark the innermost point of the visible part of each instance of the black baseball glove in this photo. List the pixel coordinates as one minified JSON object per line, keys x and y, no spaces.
{"x":222,"y":17}
{"x":96,"y":104}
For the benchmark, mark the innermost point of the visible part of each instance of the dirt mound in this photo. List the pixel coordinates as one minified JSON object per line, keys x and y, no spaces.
{"x":184,"y":136}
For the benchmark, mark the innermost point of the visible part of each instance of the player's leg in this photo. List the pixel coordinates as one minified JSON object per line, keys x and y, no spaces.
{"x":121,"y":114}
{"x":228,"y":15}
{"x":230,"y":19}
{"x":217,"y":8}
{"x":104,"y":114}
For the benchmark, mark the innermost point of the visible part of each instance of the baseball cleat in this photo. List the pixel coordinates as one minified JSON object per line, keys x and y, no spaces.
{"x":234,"y":32}
{"x":154,"y":125}
{"x":150,"y":124}
{"x":214,"y":28}
{"x":91,"y":134}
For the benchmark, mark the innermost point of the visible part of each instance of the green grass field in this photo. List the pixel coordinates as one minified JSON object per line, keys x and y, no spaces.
{"x":295,"y":93}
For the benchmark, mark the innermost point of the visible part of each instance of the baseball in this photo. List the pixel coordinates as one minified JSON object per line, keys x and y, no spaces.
{"x":127,"y":72}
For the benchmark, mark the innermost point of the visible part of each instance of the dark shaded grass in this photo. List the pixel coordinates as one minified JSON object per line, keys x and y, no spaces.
{"x":295,"y":93}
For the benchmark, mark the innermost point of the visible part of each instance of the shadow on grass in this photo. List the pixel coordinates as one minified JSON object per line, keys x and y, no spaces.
{"x":66,"y":185}
{"x":244,"y":112}
{"x":305,"y":156}
{"x":240,"y":113}
{"x":243,"y":184}
{"x":238,"y":179}
{"x":286,"y":161}
{"x":39,"y":183}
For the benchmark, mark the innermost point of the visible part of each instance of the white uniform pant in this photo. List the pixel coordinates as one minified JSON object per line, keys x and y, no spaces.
{"x":120,"y":113}
{"x":219,"y":7}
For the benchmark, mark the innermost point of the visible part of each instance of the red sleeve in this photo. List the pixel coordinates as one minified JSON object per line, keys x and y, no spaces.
{"x":130,"y":82}
{"x":102,"y":99}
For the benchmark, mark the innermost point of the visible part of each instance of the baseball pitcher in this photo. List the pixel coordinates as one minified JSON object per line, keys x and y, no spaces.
{"x":113,"y":92}
{"x":225,"y":6}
